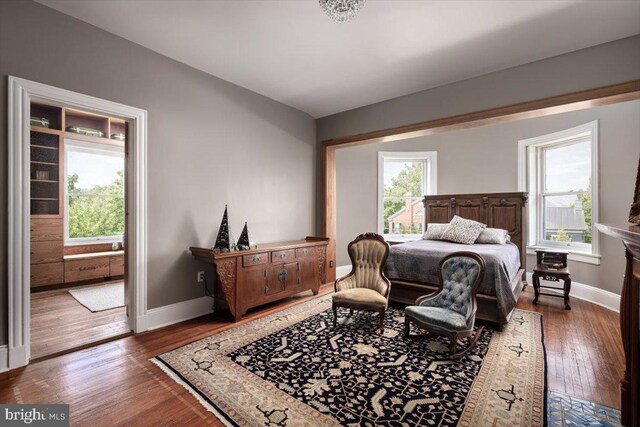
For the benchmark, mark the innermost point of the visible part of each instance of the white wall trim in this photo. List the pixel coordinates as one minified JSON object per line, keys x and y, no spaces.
{"x":584,"y":292}
{"x":430,"y":175}
{"x":169,"y":314}
{"x":4,"y":358}
{"x":343,"y":270}
{"x":21,"y":93}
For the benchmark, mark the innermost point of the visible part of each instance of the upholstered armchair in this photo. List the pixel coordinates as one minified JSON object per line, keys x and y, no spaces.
{"x":452,"y":310}
{"x":366,"y":287}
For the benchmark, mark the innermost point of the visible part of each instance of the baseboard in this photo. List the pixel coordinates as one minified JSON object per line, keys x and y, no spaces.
{"x":342,"y":270}
{"x":174,"y":313}
{"x":4,"y":358}
{"x":584,"y":292}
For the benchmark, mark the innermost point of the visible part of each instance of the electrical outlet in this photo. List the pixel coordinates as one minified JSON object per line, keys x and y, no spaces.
{"x":200,"y":276}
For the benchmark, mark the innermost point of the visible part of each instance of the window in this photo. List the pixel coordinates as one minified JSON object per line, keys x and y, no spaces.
{"x":560,"y":173}
{"x":94,"y":196}
{"x":403,"y":179}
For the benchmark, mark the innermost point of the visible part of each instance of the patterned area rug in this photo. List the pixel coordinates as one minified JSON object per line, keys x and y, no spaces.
{"x":294,"y":368}
{"x":564,"y":410}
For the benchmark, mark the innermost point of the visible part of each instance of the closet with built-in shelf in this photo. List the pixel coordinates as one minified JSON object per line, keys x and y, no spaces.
{"x":52,"y":263}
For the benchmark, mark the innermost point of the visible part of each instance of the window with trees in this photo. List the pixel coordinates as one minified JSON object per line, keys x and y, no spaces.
{"x":561,"y":176}
{"x":403,"y":179}
{"x":94,"y":192}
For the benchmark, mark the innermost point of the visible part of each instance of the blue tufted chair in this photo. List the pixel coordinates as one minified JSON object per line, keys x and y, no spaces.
{"x":451,"y":311}
{"x":366,"y":287}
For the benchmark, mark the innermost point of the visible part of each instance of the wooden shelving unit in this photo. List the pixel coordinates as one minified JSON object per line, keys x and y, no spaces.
{"x":47,"y":162}
{"x":49,"y":265}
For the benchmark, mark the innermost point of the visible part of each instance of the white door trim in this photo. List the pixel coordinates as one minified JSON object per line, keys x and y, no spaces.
{"x":21,"y":93}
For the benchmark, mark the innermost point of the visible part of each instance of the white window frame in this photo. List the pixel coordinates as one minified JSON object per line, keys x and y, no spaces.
{"x":110,"y":148}
{"x":429,"y":183}
{"x":530,"y":179}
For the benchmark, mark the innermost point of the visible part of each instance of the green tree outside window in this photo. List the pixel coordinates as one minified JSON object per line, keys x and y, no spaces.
{"x":98,"y":211}
{"x":586,"y":200}
{"x":408,"y":181}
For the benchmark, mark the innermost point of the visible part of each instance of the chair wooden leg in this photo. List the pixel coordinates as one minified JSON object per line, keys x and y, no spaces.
{"x":453,"y":346}
{"x":350,"y":312}
{"x":473,"y":340}
{"x":407,"y":326}
{"x":381,"y":321}
{"x":335,"y":314}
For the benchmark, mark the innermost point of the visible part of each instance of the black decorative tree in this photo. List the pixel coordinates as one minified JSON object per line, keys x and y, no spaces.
{"x":245,"y":241}
{"x":225,"y":241}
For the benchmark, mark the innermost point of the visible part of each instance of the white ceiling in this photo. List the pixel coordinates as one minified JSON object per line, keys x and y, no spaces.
{"x":289,"y":50}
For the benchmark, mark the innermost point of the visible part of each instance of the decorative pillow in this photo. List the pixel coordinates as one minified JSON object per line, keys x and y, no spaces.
{"x":434,"y":231}
{"x":463,"y":231}
{"x":496,"y":236}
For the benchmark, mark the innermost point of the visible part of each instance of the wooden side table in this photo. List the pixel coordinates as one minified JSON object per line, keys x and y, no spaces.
{"x":552,"y":273}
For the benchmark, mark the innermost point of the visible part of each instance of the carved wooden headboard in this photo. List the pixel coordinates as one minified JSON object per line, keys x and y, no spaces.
{"x":497,"y":210}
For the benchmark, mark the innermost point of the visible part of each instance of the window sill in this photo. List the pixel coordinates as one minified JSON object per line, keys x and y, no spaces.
{"x":91,"y":241}
{"x":584,"y":257}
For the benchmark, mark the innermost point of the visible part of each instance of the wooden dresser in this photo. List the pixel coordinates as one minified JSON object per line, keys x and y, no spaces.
{"x":268,"y":273}
{"x":629,"y":320}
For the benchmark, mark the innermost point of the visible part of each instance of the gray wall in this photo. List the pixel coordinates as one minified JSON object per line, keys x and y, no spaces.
{"x":485,"y":159}
{"x":601,"y":65}
{"x":210,"y":142}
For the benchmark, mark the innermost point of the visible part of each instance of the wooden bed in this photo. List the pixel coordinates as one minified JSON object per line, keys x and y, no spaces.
{"x":497,"y":210}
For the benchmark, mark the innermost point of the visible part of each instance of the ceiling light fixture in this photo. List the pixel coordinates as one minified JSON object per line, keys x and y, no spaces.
{"x":341,"y":10}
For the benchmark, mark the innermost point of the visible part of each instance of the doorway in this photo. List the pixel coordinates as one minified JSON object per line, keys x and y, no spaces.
{"x":72,"y":156}
{"x":77,"y":224}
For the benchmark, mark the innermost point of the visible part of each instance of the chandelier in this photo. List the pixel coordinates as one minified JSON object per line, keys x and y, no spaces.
{"x":341,"y":10}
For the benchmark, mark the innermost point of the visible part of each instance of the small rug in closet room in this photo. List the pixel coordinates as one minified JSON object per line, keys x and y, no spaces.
{"x":100,"y":298}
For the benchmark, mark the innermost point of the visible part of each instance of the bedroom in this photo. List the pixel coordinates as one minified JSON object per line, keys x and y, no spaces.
{"x":244,"y":126}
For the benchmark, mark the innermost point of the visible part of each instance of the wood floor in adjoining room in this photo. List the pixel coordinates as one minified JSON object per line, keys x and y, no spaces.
{"x":59,"y":323}
{"x":116,"y":384}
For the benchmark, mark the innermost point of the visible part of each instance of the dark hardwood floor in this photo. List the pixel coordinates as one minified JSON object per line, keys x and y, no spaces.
{"x":584,"y":348}
{"x":115,"y":384}
{"x":59,"y":323}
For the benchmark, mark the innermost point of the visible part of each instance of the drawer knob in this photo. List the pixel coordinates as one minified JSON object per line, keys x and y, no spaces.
{"x":282,"y":255}
{"x":256,"y":258}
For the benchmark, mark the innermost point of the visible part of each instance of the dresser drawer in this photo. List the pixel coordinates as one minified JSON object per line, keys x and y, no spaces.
{"x":116,"y":265}
{"x":43,"y":252}
{"x":283,"y":256}
{"x":255,"y":259}
{"x":304,"y":252}
{"x":45,"y":229}
{"x":86,"y":269}
{"x":47,"y":274}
